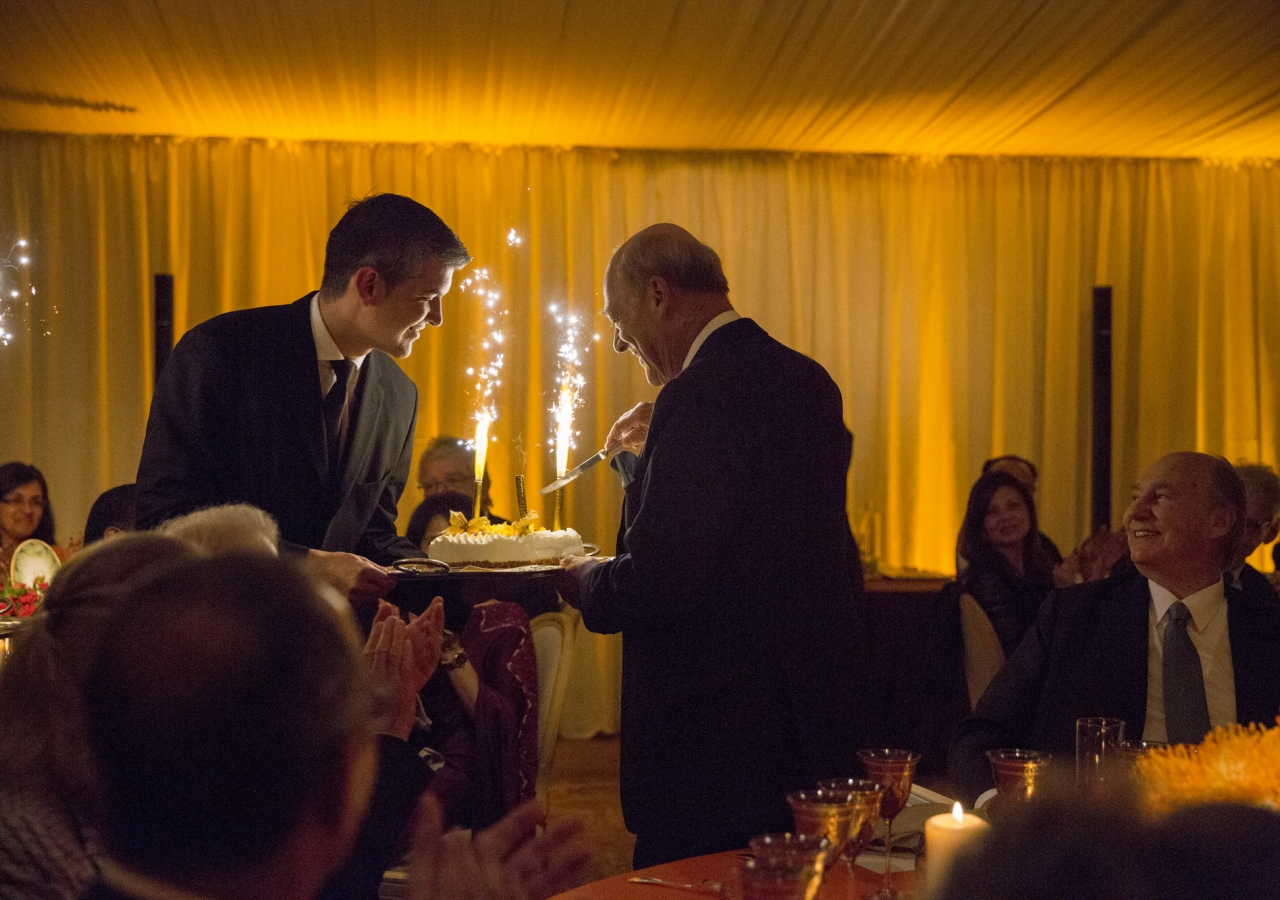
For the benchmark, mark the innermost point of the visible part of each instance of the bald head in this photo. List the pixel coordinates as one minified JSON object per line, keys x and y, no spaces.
{"x":662,"y":287}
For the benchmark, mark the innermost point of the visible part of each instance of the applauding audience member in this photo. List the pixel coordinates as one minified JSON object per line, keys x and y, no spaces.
{"x":1261,"y":525}
{"x":215,"y":787}
{"x":113,"y":513}
{"x":1171,"y":651}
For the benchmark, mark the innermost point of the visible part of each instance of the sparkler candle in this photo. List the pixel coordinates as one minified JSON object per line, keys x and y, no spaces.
{"x":570,"y":383}
{"x":488,"y":376}
{"x":483,"y":421}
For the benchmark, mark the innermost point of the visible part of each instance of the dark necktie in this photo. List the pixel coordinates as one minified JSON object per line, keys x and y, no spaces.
{"x":1186,"y":712}
{"x":334,"y":402}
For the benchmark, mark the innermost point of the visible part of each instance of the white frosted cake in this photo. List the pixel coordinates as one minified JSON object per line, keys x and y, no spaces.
{"x":479,"y":543}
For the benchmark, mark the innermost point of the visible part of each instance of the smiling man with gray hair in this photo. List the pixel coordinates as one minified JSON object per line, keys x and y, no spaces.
{"x":1173,"y":651}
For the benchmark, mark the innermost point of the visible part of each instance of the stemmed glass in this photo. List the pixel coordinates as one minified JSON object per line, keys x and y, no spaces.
{"x":828,"y":813}
{"x":1017,"y":774}
{"x":866,"y":801}
{"x":892,"y":769}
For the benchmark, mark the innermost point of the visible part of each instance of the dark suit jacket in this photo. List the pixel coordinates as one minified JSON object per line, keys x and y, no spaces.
{"x":1255,"y":584}
{"x":237,"y":417}
{"x":1087,"y":656}
{"x":735,"y":592}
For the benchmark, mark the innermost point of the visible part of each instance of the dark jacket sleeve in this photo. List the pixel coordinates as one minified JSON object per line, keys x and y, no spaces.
{"x":679,"y":518}
{"x":189,"y":432}
{"x":1005,"y":714}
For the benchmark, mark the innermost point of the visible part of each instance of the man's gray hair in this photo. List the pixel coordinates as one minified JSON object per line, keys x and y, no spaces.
{"x":1262,"y":485}
{"x":1227,"y":493}
{"x":233,"y":528}
{"x":670,"y":252}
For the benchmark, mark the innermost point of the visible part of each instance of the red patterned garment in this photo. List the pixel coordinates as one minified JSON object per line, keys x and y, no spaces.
{"x":491,"y":760}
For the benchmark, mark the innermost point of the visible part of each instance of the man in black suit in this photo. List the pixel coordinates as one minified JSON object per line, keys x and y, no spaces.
{"x":1261,"y":525}
{"x":213,"y":787}
{"x":736,"y":584}
{"x":300,"y":410}
{"x":1172,"y":651}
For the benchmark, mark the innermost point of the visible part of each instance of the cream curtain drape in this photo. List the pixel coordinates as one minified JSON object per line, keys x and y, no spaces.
{"x":948,"y":298}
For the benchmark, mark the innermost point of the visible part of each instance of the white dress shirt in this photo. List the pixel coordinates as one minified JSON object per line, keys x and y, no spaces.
{"x":326,"y":352}
{"x":1209,"y":634}
{"x":723,"y":319}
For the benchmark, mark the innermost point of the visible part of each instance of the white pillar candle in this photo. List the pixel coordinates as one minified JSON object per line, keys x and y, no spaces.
{"x":945,"y":836}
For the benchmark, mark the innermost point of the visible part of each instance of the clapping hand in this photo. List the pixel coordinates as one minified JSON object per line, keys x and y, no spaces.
{"x":507,"y":861}
{"x":405,"y":657}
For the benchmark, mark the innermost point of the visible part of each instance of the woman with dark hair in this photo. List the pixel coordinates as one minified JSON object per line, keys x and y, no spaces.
{"x":25,"y":511}
{"x":1010,"y":573}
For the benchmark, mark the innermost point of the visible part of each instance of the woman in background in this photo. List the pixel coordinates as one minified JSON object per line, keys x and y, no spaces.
{"x":1010,"y":573}
{"x":25,"y":511}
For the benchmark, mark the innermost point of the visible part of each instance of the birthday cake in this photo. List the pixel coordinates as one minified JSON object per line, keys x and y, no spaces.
{"x":478,"y":542}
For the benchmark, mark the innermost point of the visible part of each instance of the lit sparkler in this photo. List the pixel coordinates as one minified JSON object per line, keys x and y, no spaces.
{"x":489,"y":375}
{"x":569,"y":385}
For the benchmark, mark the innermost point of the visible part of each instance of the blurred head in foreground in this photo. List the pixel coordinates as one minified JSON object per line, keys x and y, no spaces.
{"x":230,"y":720}
{"x":233,"y":528}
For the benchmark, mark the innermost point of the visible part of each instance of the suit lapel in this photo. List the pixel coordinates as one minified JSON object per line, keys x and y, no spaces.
{"x":301,"y":374}
{"x":369,"y":398}
{"x":1128,"y":628}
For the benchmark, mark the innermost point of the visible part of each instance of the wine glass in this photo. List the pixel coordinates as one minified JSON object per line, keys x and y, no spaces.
{"x":867,"y":796}
{"x":892,"y":769}
{"x":828,"y":813}
{"x":788,"y":866}
{"x":1017,"y":774}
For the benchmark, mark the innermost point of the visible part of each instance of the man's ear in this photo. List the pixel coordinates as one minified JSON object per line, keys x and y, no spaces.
{"x":658,"y":294}
{"x":1272,"y":531}
{"x":366,"y":282}
{"x":1220,"y":520}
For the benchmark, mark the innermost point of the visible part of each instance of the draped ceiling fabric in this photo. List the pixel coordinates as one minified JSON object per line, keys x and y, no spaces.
{"x":918,"y":193}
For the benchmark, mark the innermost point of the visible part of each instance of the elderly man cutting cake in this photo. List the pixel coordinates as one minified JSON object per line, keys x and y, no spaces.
{"x":742,"y":640}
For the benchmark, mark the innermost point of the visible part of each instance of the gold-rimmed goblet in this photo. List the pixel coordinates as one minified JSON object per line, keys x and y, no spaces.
{"x":828,"y":813}
{"x":1017,"y":773}
{"x":787,"y":866}
{"x":893,"y":770}
{"x":862,"y":828}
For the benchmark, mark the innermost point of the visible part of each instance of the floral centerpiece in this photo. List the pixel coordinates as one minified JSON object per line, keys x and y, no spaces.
{"x":1235,"y":764}
{"x":22,"y":600}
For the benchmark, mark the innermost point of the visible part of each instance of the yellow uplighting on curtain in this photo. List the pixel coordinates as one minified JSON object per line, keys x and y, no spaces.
{"x":948,"y":297}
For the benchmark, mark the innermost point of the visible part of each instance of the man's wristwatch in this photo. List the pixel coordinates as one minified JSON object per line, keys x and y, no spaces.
{"x":452,"y":656}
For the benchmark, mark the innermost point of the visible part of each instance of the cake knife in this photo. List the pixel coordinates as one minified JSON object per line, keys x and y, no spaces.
{"x":580,"y":468}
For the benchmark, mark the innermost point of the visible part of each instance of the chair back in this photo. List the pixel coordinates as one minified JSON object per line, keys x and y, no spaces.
{"x":983,"y":655}
{"x":553,"y":639}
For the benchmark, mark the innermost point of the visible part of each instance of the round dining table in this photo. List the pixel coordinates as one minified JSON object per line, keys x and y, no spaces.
{"x":702,"y":872}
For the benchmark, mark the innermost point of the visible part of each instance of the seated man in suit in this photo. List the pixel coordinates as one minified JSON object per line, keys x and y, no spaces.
{"x":1172,"y":651}
{"x":1261,"y":525}
{"x":213,"y":787}
{"x":301,"y":410}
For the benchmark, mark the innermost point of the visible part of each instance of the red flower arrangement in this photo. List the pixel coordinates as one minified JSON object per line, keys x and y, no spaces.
{"x":22,"y":600}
